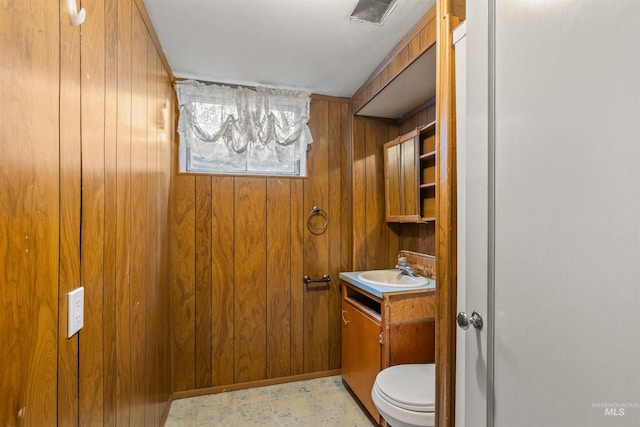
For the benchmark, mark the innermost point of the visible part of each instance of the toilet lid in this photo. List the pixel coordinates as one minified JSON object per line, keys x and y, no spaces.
{"x":412,"y":387}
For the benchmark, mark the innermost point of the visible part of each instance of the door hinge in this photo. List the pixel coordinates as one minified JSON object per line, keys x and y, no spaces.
{"x":381,"y":337}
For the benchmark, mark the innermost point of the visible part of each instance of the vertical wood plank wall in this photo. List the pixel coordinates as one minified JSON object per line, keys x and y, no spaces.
{"x":84,"y":200}
{"x":29,"y":212}
{"x":376,"y":242}
{"x":241,"y":245}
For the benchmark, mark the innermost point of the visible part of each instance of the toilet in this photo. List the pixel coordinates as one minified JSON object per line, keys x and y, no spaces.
{"x":405,"y":395}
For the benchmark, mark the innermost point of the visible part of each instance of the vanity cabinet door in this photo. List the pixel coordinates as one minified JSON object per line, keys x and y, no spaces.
{"x":361,"y":353}
{"x":401,"y":182}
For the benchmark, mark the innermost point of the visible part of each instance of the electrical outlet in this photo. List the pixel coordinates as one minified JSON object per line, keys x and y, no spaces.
{"x":76,"y":311}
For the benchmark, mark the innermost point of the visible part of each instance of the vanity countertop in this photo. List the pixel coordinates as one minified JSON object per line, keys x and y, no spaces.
{"x":378,"y":290}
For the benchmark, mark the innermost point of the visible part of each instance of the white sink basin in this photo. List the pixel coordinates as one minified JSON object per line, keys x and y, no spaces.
{"x":391,"y":278}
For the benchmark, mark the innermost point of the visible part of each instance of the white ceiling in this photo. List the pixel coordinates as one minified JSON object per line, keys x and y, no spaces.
{"x":308,"y":45}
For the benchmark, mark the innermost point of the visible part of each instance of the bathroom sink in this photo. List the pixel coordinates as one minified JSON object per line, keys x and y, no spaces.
{"x":391,"y":278}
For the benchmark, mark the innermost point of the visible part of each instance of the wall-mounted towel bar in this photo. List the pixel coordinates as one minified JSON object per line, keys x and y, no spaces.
{"x":325,"y":279}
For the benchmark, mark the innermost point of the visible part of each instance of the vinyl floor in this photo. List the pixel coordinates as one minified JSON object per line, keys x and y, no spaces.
{"x":321,"y":402}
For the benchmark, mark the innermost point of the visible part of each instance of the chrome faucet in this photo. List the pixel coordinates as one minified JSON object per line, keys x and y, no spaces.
{"x":404,"y":268}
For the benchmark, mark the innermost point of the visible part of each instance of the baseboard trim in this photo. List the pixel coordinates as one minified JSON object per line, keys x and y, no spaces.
{"x":245,"y":385}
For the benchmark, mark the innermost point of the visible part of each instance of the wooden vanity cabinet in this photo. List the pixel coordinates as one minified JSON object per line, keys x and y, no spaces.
{"x":378,"y":332}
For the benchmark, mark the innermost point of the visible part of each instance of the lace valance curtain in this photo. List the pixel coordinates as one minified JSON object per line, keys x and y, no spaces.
{"x":221,"y":123}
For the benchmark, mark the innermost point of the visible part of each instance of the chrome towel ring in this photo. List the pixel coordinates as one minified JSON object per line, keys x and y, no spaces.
{"x":317,"y":229}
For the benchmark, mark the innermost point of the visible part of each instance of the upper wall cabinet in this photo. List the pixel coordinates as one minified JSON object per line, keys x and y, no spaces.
{"x":410,"y":176}
{"x":401,"y":178}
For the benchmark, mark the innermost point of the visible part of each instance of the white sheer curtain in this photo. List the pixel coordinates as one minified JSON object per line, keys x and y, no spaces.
{"x":242,"y":126}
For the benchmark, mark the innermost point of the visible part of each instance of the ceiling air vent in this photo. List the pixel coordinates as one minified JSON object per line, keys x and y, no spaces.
{"x":374,"y":11}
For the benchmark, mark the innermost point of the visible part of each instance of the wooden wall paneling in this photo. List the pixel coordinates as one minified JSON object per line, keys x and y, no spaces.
{"x":346,"y":205}
{"x":160,"y":326}
{"x":390,"y":248}
{"x":424,"y":115}
{"x":375,"y":242}
{"x":123,"y":216}
{"x":298,"y":217}
{"x":110,"y":212}
{"x":222,"y":280}
{"x":337,"y":125}
{"x":91,"y":345}
{"x":80,"y":188}
{"x":139,"y":221}
{"x":316,"y":246}
{"x":278,"y":331}
{"x":203,"y":282}
{"x":29,"y":213}
{"x":154,"y":38}
{"x":250,"y":259}
{"x":428,"y":239}
{"x":418,"y":238}
{"x":164,"y":213}
{"x":393,"y":245}
{"x":162,"y":344}
{"x":183,"y":283}
{"x":264,"y":323}
{"x":359,"y":193}
{"x":152,"y":284}
{"x":377,"y":233}
{"x":70,"y":157}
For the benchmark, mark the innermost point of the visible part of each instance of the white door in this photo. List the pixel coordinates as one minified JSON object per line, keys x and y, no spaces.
{"x":550,"y":246}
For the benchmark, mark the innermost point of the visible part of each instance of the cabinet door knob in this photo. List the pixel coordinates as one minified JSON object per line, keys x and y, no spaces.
{"x":346,"y":322}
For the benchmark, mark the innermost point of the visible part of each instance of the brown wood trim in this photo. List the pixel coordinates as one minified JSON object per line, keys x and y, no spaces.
{"x":406,"y":40}
{"x":446,"y":223}
{"x":382,"y":120}
{"x":154,"y":37}
{"x":421,"y":37}
{"x":317,"y":97}
{"x":252,"y":384}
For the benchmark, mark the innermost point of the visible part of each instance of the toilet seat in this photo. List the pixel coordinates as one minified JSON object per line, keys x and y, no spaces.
{"x":410,"y":387}
{"x":405,"y":395}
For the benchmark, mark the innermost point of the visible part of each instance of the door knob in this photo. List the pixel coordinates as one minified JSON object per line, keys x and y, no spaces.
{"x":464,"y":320}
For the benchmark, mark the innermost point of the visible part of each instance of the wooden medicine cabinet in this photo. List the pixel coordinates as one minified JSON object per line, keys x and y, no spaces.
{"x":401,"y":178}
{"x":410,"y":176}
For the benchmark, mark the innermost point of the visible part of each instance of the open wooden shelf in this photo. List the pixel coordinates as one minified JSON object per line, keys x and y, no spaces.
{"x":429,"y":155}
{"x":428,"y":172}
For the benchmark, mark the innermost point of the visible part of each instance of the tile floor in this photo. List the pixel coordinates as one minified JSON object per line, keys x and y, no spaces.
{"x":318,"y":402}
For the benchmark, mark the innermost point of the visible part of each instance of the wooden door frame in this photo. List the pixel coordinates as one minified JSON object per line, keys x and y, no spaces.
{"x":446,"y":233}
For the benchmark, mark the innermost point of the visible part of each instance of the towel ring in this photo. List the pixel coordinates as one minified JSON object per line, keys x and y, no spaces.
{"x":317,"y":229}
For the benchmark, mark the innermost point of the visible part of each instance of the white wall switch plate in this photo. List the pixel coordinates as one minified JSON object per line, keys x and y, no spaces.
{"x":76,"y":311}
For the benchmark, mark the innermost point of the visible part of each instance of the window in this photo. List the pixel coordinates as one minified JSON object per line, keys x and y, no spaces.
{"x":242,"y":131}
